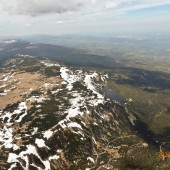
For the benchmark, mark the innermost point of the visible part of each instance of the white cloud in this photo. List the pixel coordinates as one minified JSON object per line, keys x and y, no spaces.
{"x":37,"y":7}
{"x":64,"y":21}
{"x":59,"y":22}
{"x":28,"y":25}
{"x":67,"y":16}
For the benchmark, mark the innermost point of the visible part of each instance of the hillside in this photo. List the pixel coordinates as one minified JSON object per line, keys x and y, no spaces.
{"x":66,"y":55}
{"x":55,"y":117}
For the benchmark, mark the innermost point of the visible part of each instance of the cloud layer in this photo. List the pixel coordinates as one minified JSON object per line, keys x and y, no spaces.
{"x":82,"y":16}
{"x":37,"y":7}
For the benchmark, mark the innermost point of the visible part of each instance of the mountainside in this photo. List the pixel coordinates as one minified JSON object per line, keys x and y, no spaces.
{"x":55,"y":118}
{"x":70,"y":56}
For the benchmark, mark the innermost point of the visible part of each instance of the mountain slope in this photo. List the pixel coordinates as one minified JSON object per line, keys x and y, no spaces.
{"x":55,"y":117}
{"x":70,"y":56}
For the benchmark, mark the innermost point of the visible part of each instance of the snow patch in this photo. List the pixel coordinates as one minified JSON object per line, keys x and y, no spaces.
{"x":40,"y":143}
{"x":48,"y":134}
{"x":74,"y":124}
{"x":91,"y":159}
{"x":10,"y":41}
{"x":48,"y":63}
{"x":56,"y":157}
{"x":6,"y":133}
{"x":13,"y":158}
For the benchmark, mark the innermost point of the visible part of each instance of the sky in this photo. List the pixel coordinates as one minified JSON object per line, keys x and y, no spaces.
{"x":58,"y":17}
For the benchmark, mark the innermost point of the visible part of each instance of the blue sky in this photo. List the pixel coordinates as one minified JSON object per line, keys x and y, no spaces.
{"x":56,"y":17}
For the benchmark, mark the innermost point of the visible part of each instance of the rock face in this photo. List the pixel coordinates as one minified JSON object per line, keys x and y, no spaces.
{"x":55,"y":118}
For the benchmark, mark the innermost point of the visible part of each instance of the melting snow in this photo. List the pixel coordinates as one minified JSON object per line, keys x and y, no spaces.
{"x":35,"y":131}
{"x":22,"y":108}
{"x":7,"y":76}
{"x":54,"y":157}
{"x":6,"y":137}
{"x":49,"y":64}
{"x":74,"y":124}
{"x":77,"y":102}
{"x":6,"y":91}
{"x":9,"y":41}
{"x":56,"y":91}
{"x":91,"y":159}
{"x":48,"y":134}
{"x":4,"y":85}
{"x":3,"y":94}
{"x":69,"y":77}
{"x":6,"y":134}
{"x":88,"y":82}
{"x":37,"y":99}
{"x":13,"y":158}
{"x":13,"y":166}
{"x":40,"y":143}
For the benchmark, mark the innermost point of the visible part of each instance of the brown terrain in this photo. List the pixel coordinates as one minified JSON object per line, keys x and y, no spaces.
{"x":22,"y":83}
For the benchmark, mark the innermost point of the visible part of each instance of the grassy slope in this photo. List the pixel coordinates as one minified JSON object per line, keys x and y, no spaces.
{"x":152,"y":108}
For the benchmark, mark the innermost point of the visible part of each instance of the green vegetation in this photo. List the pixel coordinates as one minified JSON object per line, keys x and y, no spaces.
{"x":31,"y":69}
{"x":51,"y":110}
{"x":151,"y":108}
{"x":145,"y":158}
{"x":35,"y":93}
{"x":52,"y":71}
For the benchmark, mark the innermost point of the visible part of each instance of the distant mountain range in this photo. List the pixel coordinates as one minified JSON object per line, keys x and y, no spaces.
{"x":70,"y":56}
